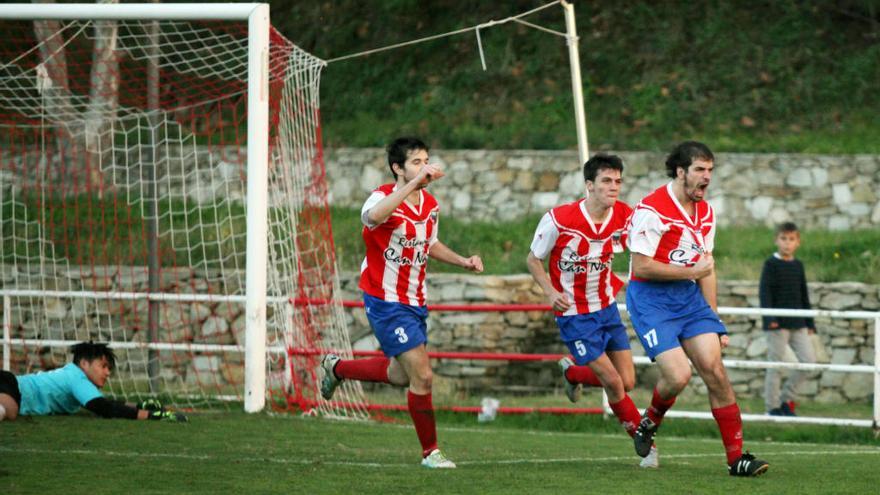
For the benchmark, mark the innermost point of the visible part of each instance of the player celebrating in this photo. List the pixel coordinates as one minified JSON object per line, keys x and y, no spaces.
{"x":400,"y":233}
{"x":672,"y":300}
{"x":581,"y":239}
{"x":75,"y":385}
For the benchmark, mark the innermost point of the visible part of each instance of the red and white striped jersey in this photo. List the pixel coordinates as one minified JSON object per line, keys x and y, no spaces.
{"x":397,"y":249}
{"x":581,"y":253}
{"x":661,"y":229}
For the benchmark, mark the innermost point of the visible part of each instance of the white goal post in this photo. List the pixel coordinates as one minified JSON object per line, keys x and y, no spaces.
{"x":257,"y":17}
{"x":274,"y":199}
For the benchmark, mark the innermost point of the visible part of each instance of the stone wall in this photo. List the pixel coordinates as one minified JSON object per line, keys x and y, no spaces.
{"x":847,"y":341}
{"x":816,"y":191}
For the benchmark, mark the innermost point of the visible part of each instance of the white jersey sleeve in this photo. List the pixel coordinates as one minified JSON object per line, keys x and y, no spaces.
{"x":645,"y":232}
{"x":368,"y":204}
{"x":545,"y":237}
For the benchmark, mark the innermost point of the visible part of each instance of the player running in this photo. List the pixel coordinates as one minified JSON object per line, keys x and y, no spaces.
{"x":400,"y":233}
{"x":671,"y":300}
{"x":581,"y":238}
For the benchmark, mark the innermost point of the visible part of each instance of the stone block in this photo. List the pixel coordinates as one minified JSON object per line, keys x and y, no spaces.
{"x":857,"y":386}
{"x":843,"y":356}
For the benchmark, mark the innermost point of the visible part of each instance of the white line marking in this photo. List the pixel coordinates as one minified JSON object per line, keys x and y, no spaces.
{"x":331,"y":462}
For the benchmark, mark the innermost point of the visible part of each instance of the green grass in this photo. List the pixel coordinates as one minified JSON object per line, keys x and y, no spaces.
{"x":238,"y":453}
{"x":747,"y":76}
{"x":740,"y":254}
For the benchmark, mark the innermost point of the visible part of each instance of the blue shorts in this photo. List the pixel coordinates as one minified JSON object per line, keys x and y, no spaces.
{"x":398,"y":327}
{"x":665,"y":313}
{"x":589,"y":335}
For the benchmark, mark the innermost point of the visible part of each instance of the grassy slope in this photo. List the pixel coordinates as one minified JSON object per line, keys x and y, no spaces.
{"x":744,"y":76}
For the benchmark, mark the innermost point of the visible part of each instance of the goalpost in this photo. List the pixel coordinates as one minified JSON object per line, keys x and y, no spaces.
{"x":160,"y":167}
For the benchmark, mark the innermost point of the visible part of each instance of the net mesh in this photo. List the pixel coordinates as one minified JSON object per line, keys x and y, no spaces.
{"x":123,"y":144}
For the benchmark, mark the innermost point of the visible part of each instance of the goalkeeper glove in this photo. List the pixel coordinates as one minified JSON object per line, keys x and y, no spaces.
{"x":151,"y":405}
{"x":174,"y":417}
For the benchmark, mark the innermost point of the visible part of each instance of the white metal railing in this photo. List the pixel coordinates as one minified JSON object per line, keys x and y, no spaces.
{"x":874,"y":369}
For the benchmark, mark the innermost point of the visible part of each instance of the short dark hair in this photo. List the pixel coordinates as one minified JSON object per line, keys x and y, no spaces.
{"x":683,"y":156}
{"x":786,"y":227}
{"x":400,"y":148}
{"x":601,"y":161}
{"x":91,"y":351}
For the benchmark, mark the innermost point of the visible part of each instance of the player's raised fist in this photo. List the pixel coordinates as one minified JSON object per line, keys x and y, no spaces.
{"x":474,"y":264}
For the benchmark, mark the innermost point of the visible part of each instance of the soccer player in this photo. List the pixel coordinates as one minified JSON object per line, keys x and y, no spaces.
{"x":400,"y":233}
{"x":672,"y":302}
{"x":581,"y":238}
{"x":75,"y":385}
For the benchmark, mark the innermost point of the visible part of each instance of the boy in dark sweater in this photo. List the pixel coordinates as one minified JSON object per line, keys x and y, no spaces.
{"x":784,"y":285}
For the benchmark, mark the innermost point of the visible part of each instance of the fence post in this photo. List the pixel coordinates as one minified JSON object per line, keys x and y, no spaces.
{"x":877,"y":376}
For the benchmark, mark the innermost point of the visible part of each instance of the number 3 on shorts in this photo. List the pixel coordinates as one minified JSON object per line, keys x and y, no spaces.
{"x":651,"y":337}
{"x":581,"y":349}
{"x":401,"y":335}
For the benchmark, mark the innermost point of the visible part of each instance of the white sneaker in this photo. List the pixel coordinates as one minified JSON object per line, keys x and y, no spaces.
{"x":330,"y":381}
{"x":652,"y":460}
{"x":572,"y":390}
{"x":436,"y":460}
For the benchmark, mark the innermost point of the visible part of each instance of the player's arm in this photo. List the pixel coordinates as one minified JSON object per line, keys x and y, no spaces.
{"x":150,"y":409}
{"x":442,"y":252}
{"x":709,"y":288}
{"x":647,"y":268}
{"x":765,"y":294}
{"x":107,"y":408}
{"x":536,"y":268}
{"x":380,"y":212}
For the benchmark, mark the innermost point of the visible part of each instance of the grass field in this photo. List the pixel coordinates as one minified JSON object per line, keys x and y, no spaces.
{"x":238,"y":453}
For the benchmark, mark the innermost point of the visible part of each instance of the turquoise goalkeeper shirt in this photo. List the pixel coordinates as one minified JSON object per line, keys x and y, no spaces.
{"x":60,"y":391}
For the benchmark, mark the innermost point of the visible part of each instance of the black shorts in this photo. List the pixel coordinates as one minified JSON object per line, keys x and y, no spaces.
{"x":9,"y":386}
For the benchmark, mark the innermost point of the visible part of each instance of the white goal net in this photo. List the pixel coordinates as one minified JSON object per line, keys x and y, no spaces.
{"x":123,"y":209}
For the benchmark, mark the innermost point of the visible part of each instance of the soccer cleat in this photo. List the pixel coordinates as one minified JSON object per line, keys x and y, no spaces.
{"x":436,"y":460}
{"x":643,"y":440}
{"x":776,"y":412}
{"x":747,"y":465}
{"x":330,"y":381}
{"x":787,"y":408}
{"x":572,"y":390}
{"x":652,"y":461}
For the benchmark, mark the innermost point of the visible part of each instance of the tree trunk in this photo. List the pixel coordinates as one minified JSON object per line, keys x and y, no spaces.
{"x":84,"y":137}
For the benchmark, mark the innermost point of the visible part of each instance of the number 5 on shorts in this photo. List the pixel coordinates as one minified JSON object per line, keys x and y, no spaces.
{"x":581,"y":349}
{"x":651,"y":337}
{"x":401,"y":335}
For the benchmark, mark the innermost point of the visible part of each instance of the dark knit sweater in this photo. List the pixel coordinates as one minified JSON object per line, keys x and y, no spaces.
{"x":784,"y":285}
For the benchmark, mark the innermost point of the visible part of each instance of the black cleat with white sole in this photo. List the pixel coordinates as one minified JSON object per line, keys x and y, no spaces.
{"x":748,"y":466}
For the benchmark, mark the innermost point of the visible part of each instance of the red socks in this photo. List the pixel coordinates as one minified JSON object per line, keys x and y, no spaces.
{"x":627,"y":414}
{"x":365,"y":370}
{"x":730,"y":424}
{"x":658,"y":407}
{"x":421,"y":409}
{"x":582,"y":374}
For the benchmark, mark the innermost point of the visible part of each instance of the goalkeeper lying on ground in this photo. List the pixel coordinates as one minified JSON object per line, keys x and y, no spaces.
{"x":77,"y":384}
